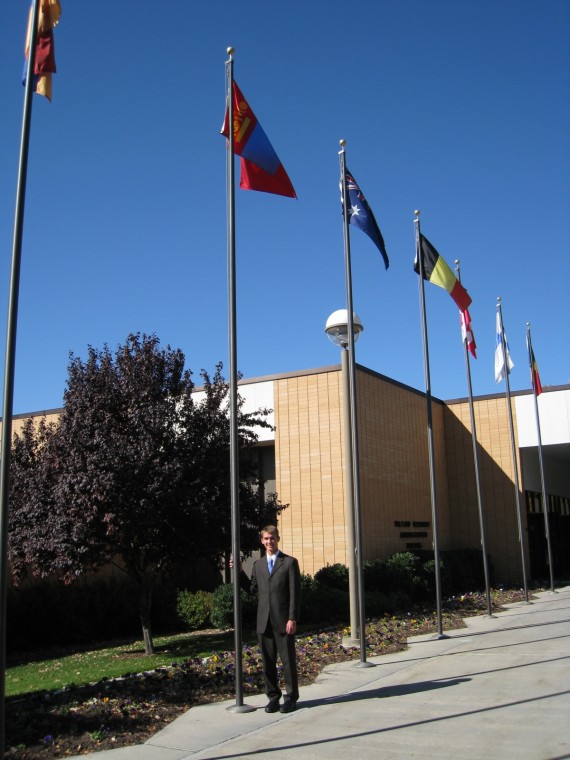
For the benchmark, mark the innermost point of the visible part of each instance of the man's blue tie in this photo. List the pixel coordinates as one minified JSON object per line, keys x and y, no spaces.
{"x":271,"y":561}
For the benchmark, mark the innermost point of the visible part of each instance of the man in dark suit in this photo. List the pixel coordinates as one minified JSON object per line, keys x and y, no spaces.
{"x":277,"y":580}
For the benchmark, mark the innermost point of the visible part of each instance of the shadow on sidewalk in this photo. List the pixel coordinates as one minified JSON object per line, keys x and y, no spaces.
{"x":398,"y":690}
{"x":310,"y":744}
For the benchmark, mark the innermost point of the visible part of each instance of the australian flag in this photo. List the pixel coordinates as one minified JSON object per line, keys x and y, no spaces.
{"x":360,"y":214}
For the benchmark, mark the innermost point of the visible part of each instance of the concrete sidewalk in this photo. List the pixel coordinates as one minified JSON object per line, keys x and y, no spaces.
{"x":499,"y":688}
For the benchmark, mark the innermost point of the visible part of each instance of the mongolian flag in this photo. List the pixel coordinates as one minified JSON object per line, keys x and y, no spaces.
{"x":44,"y":63}
{"x":261,"y":168}
{"x":437,"y":271}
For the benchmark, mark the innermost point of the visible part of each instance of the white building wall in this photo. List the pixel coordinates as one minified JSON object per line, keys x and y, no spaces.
{"x":554,"y":413}
{"x":255,"y":396}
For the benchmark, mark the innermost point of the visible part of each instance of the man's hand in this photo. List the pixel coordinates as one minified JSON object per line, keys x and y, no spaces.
{"x":291,"y":627}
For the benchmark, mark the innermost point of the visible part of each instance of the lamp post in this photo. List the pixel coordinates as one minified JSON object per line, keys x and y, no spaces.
{"x":337,"y":330}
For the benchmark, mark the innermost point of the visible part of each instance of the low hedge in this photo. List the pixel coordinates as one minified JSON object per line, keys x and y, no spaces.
{"x":49,"y":613}
{"x":46,"y":613}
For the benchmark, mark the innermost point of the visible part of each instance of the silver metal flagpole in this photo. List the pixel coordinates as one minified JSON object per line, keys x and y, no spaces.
{"x":513,"y":447}
{"x":435,"y":531}
{"x":540,"y":459}
{"x":353,"y":416}
{"x":239,"y":706}
{"x":10,"y":359}
{"x":476,"y":464}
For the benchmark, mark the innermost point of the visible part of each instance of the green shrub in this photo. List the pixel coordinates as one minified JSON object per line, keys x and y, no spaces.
{"x":324,"y":604}
{"x":333,"y":576}
{"x":461,"y":570}
{"x":222,"y":614}
{"x":376,"y":575}
{"x":308,"y":583}
{"x":194,"y":609}
{"x":378,"y":604}
{"x":405,"y":573}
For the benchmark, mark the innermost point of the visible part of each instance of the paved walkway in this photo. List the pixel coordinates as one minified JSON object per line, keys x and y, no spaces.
{"x":499,"y":688}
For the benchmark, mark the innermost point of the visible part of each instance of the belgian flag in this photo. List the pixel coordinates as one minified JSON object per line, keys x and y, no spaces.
{"x":437,"y":271}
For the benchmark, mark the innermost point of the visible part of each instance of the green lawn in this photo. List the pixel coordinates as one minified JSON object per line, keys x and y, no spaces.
{"x":81,"y":667}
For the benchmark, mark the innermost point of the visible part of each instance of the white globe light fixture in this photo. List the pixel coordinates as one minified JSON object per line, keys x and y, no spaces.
{"x":337,"y":327}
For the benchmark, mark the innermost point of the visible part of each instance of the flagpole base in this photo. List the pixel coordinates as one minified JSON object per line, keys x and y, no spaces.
{"x":237,"y":709}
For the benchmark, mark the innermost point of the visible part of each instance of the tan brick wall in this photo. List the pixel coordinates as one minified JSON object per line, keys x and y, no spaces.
{"x":18,"y":422}
{"x":394,"y":461}
{"x":309,"y":468}
{"x":496,"y":475}
{"x":394,"y":466}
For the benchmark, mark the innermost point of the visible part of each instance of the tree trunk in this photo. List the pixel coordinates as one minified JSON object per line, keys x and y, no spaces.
{"x":145,"y":600}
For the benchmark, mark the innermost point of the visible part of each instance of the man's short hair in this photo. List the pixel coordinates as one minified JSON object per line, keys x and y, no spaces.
{"x":272,"y":529}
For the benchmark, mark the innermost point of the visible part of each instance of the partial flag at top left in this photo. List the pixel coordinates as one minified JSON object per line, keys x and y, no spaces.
{"x":49,"y":13}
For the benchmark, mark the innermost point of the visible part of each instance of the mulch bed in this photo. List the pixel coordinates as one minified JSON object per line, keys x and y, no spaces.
{"x":128,"y":711}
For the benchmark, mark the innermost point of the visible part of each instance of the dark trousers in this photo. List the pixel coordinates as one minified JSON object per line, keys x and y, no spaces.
{"x":272,"y":643}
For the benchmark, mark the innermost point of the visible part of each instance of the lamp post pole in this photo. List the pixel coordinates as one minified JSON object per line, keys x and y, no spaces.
{"x":349,"y":499}
{"x":337,"y":330}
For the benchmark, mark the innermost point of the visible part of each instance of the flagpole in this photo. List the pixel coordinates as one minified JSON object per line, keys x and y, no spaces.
{"x":540,"y":459}
{"x":353,"y":415}
{"x":239,"y":706}
{"x":419,"y":254}
{"x":513,"y":447}
{"x":476,"y":463}
{"x":10,"y":359}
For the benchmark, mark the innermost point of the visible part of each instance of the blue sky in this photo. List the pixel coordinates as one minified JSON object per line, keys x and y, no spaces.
{"x":459,"y":109}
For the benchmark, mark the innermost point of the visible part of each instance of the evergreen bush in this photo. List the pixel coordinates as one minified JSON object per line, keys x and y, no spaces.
{"x":379,"y":604}
{"x":308,"y":583}
{"x":324,"y":604}
{"x":222,"y":614}
{"x":48,"y":613}
{"x":461,"y":570}
{"x":333,"y":576}
{"x":194,"y":608}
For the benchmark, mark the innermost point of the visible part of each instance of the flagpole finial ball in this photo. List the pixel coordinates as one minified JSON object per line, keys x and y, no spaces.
{"x":498,"y":299}
{"x":230,"y":51}
{"x":342,"y":143}
{"x":416,"y":212}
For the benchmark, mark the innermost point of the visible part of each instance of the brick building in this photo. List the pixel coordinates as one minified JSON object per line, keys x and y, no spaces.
{"x":303,"y":462}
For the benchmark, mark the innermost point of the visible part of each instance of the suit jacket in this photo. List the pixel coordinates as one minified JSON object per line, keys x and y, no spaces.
{"x":278,"y":594}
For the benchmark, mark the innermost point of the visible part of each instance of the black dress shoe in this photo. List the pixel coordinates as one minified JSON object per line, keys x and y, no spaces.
{"x":288,"y":706}
{"x":272,"y":707}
